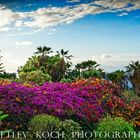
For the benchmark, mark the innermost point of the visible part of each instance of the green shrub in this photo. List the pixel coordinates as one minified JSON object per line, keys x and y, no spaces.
{"x":46,"y":123}
{"x":69,"y":126}
{"x":22,"y":76}
{"x":91,"y":73}
{"x":37,"y":77}
{"x":64,"y":80}
{"x":43,"y":123}
{"x":115,"y":125}
{"x":2,"y":117}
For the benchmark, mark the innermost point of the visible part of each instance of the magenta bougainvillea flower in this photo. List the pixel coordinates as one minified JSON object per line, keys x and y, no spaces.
{"x":85,"y":100}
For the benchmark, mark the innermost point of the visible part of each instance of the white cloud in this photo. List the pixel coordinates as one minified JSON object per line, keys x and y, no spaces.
{"x":120,"y":5}
{"x":53,"y":16}
{"x":73,"y":1}
{"x":49,"y":31}
{"x":11,"y":63}
{"x":111,"y":62}
{"x":18,"y":23}
{"x":123,"y":14}
{"x":6,"y":16}
{"x":31,"y":4}
{"x":106,"y":56}
{"x":4,"y":29}
{"x":23,"y":44}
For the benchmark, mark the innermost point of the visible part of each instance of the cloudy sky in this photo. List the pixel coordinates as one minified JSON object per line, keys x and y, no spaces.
{"x":107,"y":31}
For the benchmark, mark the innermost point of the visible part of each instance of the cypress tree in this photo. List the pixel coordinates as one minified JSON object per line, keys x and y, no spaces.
{"x":1,"y":64}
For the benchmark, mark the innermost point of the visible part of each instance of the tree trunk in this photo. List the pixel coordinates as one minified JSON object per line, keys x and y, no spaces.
{"x":136,"y":82}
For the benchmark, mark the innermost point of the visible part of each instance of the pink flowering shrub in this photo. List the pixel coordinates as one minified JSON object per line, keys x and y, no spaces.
{"x":86,"y":101}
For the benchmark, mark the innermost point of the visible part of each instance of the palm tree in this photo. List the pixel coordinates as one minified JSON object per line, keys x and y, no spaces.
{"x":89,"y":65}
{"x":134,"y":67}
{"x":64,"y":54}
{"x":92,"y":65}
{"x":34,"y":61}
{"x":43,"y":54}
{"x":83,"y":65}
{"x":116,"y":76}
{"x":79,"y":68}
{"x":86,"y":65}
{"x":65,"y":60}
{"x":43,"y":51}
{"x":56,"y":67}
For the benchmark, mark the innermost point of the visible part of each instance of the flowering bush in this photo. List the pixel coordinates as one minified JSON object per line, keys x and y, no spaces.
{"x":112,"y":101}
{"x":83,"y":100}
{"x":4,"y":81}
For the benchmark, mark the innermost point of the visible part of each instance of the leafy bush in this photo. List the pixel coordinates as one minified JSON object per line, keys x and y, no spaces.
{"x":41,"y":124}
{"x":2,"y":117}
{"x":63,"y":80}
{"x":37,"y":77}
{"x":22,"y":76}
{"x":69,"y":126}
{"x":111,"y":125}
{"x":91,"y":73}
{"x":46,"y":123}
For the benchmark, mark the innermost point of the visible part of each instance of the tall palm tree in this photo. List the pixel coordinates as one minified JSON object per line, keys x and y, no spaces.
{"x":116,"y":76}
{"x":134,"y":67}
{"x":92,"y":65}
{"x":65,"y":55}
{"x":65,"y":61}
{"x":89,"y":65}
{"x":79,"y":68}
{"x":56,"y":68}
{"x":43,"y":50}
{"x":43,"y":54}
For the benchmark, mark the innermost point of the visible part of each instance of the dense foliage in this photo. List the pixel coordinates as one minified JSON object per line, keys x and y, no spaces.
{"x":85,"y":101}
{"x":50,"y":125}
{"x":43,"y":123}
{"x":37,"y":77}
{"x":118,"y":125}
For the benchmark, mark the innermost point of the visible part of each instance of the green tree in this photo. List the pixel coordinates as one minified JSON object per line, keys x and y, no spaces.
{"x":86,"y":68}
{"x":56,"y":67}
{"x":134,"y":67}
{"x":65,"y":60}
{"x":116,"y":76}
{"x":65,"y":55}
{"x":5,"y":75}
{"x":91,"y":65}
{"x":78,"y":68}
{"x":43,"y":51}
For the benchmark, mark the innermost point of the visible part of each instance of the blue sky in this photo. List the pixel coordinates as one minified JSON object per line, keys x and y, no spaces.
{"x":107,"y":31}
